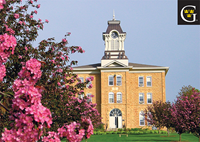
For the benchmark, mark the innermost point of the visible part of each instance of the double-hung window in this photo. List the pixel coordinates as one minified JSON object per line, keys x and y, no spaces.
{"x":110,"y":80}
{"x":81,"y":96}
{"x":149,"y":98}
{"x":90,"y":97}
{"x":87,"y":85}
{"x":141,"y":98}
{"x":148,"y":118}
{"x":141,"y":81}
{"x":111,"y":97}
{"x":149,"y":82}
{"x":141,"y":117}
{"x":81,"y":79}
{"x":119,"y":97}
{"x":119,"y":80}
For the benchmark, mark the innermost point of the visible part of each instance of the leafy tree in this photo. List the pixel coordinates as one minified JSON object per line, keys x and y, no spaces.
{"x":185,"y":90}
{"x":57,"y":82}
{"x":154,"y":114}
{"x":186,"y":114}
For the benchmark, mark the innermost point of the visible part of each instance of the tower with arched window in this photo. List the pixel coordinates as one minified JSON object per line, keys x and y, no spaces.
{"x":122,"y":89}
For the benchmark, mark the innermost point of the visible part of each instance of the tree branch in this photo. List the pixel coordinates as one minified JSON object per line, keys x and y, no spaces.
{"x":4,"y":107}
{"x":5,"y":94}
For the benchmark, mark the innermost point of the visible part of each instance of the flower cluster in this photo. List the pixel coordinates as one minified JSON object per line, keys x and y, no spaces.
{"x":2,"y":2}
{"x":90,"y":128}
{"x":29,"y":115}
{"x":7,"y":43}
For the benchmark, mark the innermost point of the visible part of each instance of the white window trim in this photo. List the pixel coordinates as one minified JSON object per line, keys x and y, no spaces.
{"x":151,"y":98}
{"x":89,"y":96}
{"x":151,"y":81}
{"x":121,"y":96}
{"x":139,"y":118}
{"x":109,"y":97}
{"x":139,"y":81}
{"x":109,"y":78}
{"x":121,"y":80}
{"x":139,"y":98}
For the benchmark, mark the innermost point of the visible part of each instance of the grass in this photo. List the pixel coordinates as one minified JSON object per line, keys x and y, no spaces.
{"x":141,"y":138}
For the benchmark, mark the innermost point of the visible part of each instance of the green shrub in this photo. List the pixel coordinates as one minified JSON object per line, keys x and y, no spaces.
{"x":156,"y":132}
{"x":120,"y":129}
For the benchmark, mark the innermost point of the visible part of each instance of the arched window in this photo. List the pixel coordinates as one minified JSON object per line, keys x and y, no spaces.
{"x":119,"y":80}
{"x":119,"y":97}
{"x":110,"y":80}
{"x":115,"y":112}
{"x":141,"y":118}
{"x":111,"y":97}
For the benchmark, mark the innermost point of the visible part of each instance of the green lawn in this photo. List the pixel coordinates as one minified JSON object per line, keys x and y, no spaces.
{"x":141,"y":138}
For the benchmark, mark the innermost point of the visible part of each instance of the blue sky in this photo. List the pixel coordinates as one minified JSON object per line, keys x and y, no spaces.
{"x":153,"y":35}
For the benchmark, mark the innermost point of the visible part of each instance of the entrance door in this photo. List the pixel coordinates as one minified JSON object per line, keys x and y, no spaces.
{"x":115,"y":118}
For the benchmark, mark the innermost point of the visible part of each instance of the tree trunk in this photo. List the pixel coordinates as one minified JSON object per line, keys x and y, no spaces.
{"x":180,"y":137}
{"x":168,"y":132}
{"x":159,"y":130}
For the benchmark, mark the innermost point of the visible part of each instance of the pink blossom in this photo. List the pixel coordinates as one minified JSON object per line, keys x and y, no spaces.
{"x":20,"y":22}
{"x":20,"y":57}
{"x":35,"y":11}
{"x":2,"y":2}
{"x":31,"y":16}
{"x":64,"y":40}
{"x":83,"y":51}
{"x":46,"y":21}
{"x":2,"y":72}
{"x":26,"y":48}
{"x":16,"y":16}
{"x":59,"y":84}
{"x":90,"y":86}
{"x":38,"y":6}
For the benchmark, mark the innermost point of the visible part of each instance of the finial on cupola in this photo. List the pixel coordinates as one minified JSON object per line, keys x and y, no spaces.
{"x":113,"y":15}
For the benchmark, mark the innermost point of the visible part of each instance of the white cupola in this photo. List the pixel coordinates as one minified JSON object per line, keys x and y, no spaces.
{"x":114,"y":43}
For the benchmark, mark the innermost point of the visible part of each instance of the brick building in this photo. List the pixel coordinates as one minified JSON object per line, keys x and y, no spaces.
{"x":122,"y":90}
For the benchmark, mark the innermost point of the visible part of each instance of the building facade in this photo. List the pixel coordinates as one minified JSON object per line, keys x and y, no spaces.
{"x":122,"y":90}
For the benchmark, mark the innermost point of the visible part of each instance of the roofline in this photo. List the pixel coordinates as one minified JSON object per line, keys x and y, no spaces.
{"x":128,"y":67}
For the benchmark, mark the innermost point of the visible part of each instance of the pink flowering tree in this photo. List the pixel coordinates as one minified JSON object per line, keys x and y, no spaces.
{"x":154,"y":114}
{"x":57,"y":85}
{"x":186,"y":114}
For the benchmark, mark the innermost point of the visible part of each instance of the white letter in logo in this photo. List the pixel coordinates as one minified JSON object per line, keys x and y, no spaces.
{"x":194,"y":15}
